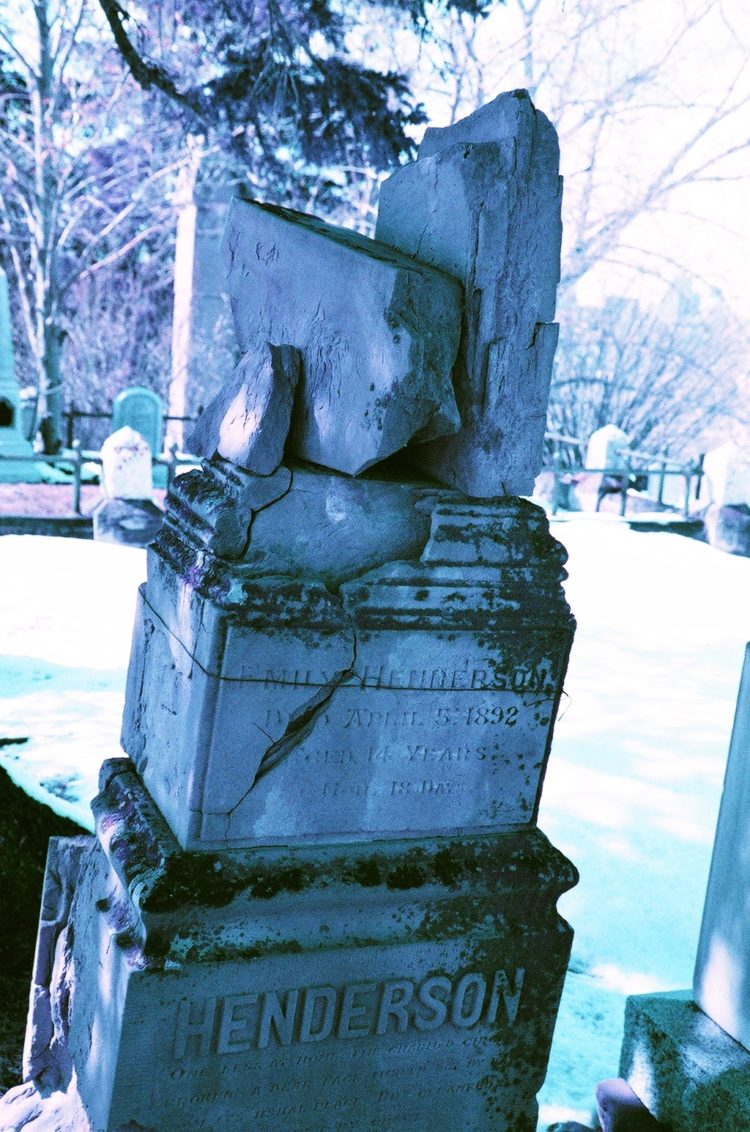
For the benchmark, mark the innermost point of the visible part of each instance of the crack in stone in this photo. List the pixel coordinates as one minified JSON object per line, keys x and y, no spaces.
{"x":298,"y":728}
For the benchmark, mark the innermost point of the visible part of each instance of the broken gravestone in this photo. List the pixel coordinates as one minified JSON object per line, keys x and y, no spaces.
{"x":318,"y":898}
{"x":482,"y":203}
{"x":377,"y":331}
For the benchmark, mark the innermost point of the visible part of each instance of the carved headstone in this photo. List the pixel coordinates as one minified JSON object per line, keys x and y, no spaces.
{"x":482,"y":202}
{"x":318,"y":898}
{"x":727,"y":469}
{"x":127,"y":513}
{"x":607,"y":449}
{"x":142,"y":410}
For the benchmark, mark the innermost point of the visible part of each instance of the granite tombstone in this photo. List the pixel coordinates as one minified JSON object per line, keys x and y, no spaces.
{"x":318,"y":898}
{"x":140,"y":409}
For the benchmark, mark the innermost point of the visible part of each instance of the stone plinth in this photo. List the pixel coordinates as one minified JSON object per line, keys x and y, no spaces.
{"x":418,"y":698}
{"x":400,"y":985}
{"x":687,"y":1071}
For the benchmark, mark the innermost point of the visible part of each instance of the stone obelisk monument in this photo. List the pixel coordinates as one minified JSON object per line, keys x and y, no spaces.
{"x":12,"y":440}
{"x":318,"y":898}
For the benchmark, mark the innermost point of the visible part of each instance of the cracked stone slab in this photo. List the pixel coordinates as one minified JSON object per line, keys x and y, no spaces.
{"x":483,"y":203}
{"x":248,"y":421}
{"x":377,"y":332}
{"x":418,"y":699}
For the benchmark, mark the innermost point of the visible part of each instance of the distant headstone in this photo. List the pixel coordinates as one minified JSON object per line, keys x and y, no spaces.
{"x":126,"y":465}
{"x":607,"y":448}
{"x":142,"y":410}
{"x":13,"y":442}
{"x":127,"y":514}
{"x":204,"y":346}
{"x":727,"y":470}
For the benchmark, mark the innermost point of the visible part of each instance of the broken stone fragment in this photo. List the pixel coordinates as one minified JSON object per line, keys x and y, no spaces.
{"x":214,"y":506}
{"x":248,"y":421}
{"x":483,"y":203}
{"x":378,"y":332}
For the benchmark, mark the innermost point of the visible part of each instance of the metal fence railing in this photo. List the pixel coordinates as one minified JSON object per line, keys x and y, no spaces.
{"x":74,"y":458}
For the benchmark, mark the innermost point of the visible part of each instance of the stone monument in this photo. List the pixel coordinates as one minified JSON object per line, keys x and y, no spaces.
{"x":126,"y":513}
{"x":12,"y":440}
{"x":318,"y":898}
{"x":140,"y":409}
{"x":727,"y":517}
{"x":687,"y":1056}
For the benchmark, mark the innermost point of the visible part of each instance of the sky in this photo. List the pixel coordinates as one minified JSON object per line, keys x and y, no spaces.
{"x":662,"y":70}
{"x":633,"y":786}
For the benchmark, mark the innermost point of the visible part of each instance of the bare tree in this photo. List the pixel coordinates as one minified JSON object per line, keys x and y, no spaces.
{"x":81,"y":186}
{"x":648,"y":117}
{"x":664,"y":374}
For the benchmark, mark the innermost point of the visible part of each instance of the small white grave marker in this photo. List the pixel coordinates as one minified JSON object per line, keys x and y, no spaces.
{"x":606,"y":449}
{"x":126,"y":465}
{"x":728,"y":471}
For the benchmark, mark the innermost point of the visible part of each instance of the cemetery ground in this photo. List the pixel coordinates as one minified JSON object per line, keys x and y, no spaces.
{"x":631,"y":793}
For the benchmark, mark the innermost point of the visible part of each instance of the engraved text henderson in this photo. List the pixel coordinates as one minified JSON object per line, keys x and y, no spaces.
{"x":240,"y":1022}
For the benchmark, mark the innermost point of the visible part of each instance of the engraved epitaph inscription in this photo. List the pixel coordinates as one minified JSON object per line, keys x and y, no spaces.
{"x":398,"y":1037}
{"x":391,"y":750}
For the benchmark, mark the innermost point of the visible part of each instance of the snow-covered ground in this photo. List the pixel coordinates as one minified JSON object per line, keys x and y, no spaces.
{"x":634,"y":780}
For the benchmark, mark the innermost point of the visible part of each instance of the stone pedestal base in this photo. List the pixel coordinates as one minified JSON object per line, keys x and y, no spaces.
{"x":408,"y":985}
{"x":130,"y":522}
{"x":687,"y":1071}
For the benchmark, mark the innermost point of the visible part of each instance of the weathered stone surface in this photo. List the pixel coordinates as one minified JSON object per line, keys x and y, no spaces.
{"x":418,"y":699}
{"x":400,"y":986}
{"x":378,"y":332}
{"x":334,"y":528}
{"x":215,"y":506}
{"x":248,"y":421}
{"x":721,"y":984}
{"x":483,"y":203}
{"x":687,"y":1071}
